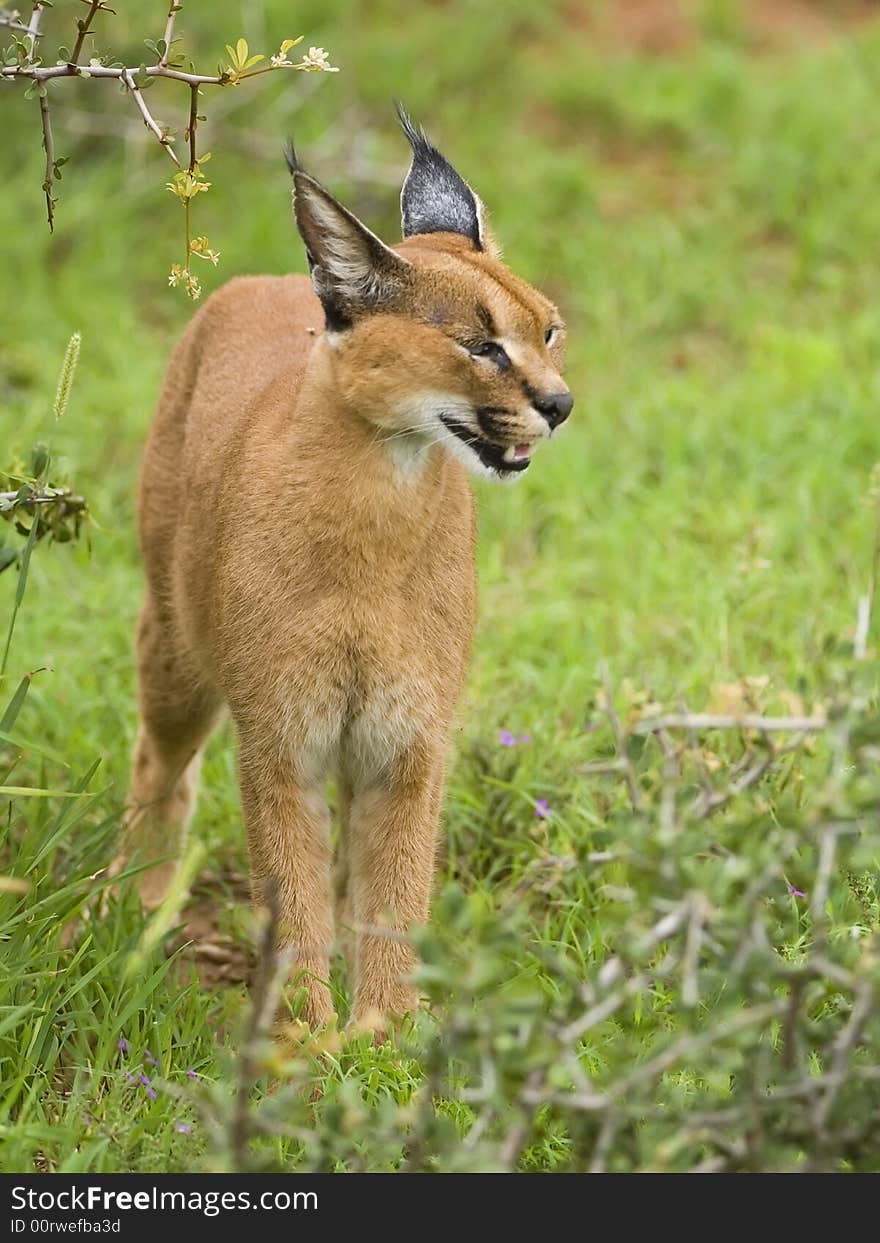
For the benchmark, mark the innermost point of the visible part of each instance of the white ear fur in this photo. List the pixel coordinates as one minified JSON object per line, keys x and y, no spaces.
{"x":349,"y":263}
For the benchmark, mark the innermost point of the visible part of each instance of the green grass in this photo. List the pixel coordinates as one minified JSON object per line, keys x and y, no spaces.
{"x":707,"y":222}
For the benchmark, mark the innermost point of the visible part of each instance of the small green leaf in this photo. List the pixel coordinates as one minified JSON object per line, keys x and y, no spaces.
{"x":14,"y":706}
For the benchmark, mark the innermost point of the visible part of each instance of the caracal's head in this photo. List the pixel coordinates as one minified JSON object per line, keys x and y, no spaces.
{"x":435,"y":341}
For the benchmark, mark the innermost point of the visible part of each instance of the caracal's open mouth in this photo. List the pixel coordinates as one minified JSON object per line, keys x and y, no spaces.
{"x":506,"y":461}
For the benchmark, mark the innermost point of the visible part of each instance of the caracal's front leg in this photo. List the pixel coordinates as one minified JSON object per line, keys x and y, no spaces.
{"x":288,"y":828}
{"x":392,"y":847}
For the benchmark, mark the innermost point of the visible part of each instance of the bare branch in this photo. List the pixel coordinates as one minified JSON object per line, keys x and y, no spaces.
{"x":29,"y":67}
{"x":691,"y":1043}
{"x":843,"y":1046}
{"x":690,"y":991}
{"x":605,"y":1008}
{"x":173,"y":9}
{"x":149,"y":120}
{"x":56,"y":497}
{"x":824,"y":872}
{"x":614,"y":969}
{"x":271,"y":972}
{"x":629,"y":772}
{"x":193,"y":124}
{"x":667,"y":814}
{"x":705,"y":720}
{"x":11,"y":23}
{"x":711,"y":801}
{"x":604,"y":1140}
{"x":49,"y":148}
{"x":83,"y":26}
{"x":9,"y":18}
{"x":42,"y":73}
{"x":33,"y":27}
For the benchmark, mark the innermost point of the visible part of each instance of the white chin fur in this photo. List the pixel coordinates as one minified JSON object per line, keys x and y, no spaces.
{"x":423,"y":415}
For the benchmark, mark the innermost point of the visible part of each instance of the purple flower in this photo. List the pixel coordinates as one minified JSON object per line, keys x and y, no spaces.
{"x":130,"y":1077}
{"x":149,"y":1059}
{"x":510,"y":740}
{"x":151,"y":1091}
{"x":191,"y":1074}
{"x":796,"y":893}
{"x":183,"y":1128}
{"x":542,"y":809}
{"x":122,"y":1046}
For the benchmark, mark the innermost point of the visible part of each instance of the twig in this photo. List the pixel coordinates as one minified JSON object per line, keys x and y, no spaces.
{"x":551,"y":866}
{"x":699,"y":759}
{"x":790,"y":1023}
{"x":690,"y":991}
{"x":193,"y":124}
{"x":607,"y":1132}
{"x":83,"y":29}
{"x":846,"y":1041}
{"x":612,"y":972}
{"x":30,"y":67}
{"x":49,"y":148}
{"x":173,"y":9}
{"x":822,"y":883}
{"x":583,"y":1101}
{"x":705,"y":720}
{"x":270,"y":966}
{"x":9,"y":20}
{"x":709,"y":802}
{"x":33,"y":27}
{"x":150,"y":122}
{"x":74,"y":502}
{"x":667,"y":811}
{"x":605,"y":1008}
{"x":11,"y":23}
{"x":687,"y":1046}
{"x":632,"y":784}
{"x":42,"y":73}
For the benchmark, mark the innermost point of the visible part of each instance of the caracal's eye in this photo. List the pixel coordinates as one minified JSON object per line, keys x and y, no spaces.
{"x":492,"y":350}
{"x":550,"y":334}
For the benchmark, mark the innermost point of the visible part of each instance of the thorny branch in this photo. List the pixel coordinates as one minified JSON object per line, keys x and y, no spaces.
{"x":150,"y":122}
{"x":57,"y":496}
{"x":707,"y":721}
{"x":33,"y":27}
{"x":271,"y":965}
{"x":789,"y":1033}
{"x":23,"y":62}
{"x":49,"y":148}
{"x":83,"y":28}
{"x":168,"y":37}
{"x":682,"y":937}
{"x":193,"y":125}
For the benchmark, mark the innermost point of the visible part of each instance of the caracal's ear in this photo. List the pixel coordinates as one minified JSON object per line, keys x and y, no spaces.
{"x":437,"y":199}
{"x":353,"y":271}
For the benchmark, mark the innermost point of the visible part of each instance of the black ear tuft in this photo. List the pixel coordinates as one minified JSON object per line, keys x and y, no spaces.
{"x":435,"y":198}
{"x":291,"y":158}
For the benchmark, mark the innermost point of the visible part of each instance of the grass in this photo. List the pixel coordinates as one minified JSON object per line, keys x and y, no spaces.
{"x":706,"y":220}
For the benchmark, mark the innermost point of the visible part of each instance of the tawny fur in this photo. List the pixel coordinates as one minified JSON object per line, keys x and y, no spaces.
{"x":308,"y":540}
